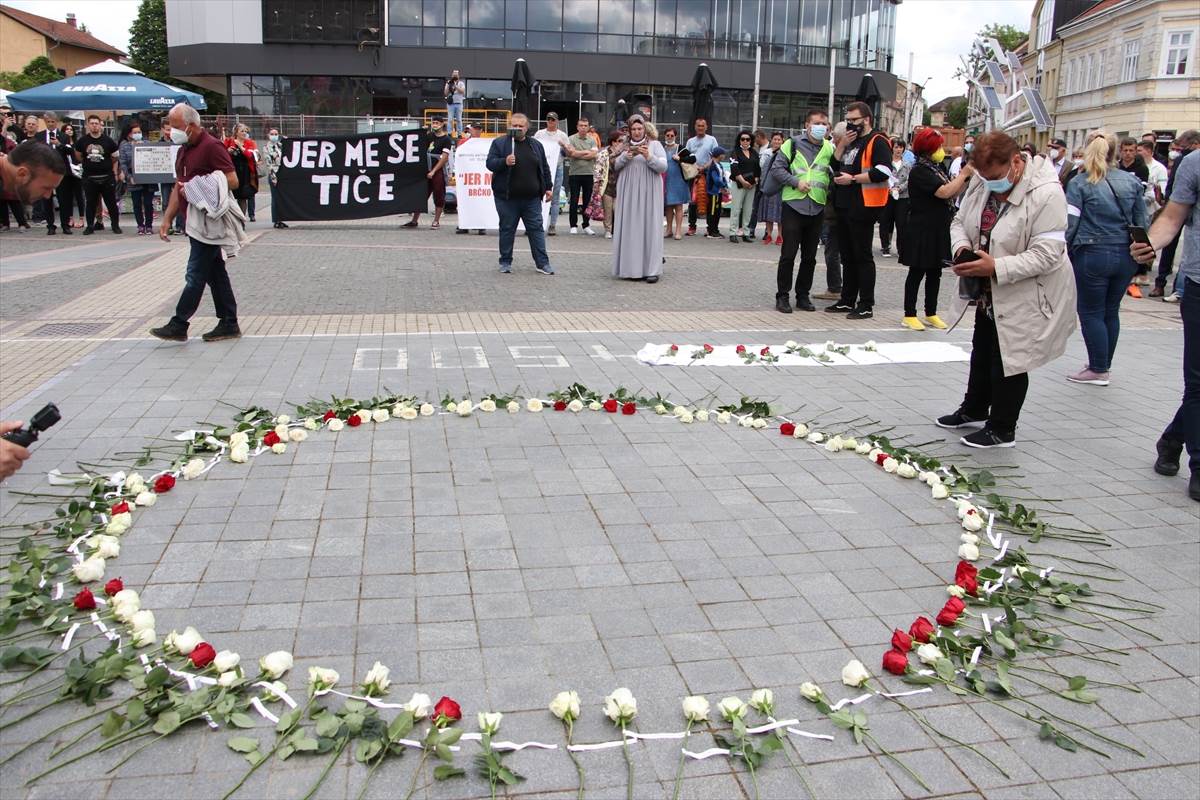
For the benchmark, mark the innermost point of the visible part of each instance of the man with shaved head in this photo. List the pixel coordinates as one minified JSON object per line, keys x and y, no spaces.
{"x":199,"y":154}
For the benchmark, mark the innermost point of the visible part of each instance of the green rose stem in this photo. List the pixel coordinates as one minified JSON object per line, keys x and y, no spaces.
{"x":679,"y":770}
{"x":574,"y":758}
{"x":129,"y":735}
{"x":161,"y":736}
{"x":279,"y":740}
{"x":902,"y":765}
{"x":337,"y":753}
{"x":35,"y":712}
{"x":628,"y":763}
{"x":42,"y":665}
{"x":924,"y":722}
{"x":1129,"y":687}
{"x":783,"y":741}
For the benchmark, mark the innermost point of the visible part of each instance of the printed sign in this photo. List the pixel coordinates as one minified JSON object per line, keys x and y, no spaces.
{"x":154,"y":162}
{"x":473,"y":186}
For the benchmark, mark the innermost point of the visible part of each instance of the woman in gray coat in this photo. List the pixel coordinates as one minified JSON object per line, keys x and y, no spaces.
{"x":1014,"y":218}
{"x":638,"y":239}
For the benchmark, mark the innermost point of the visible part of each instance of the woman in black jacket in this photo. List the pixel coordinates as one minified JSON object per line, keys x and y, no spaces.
{"x":744,"y":173}
{"x":70,"y":190}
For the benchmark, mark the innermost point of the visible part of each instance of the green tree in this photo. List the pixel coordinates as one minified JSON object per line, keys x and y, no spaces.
{"x":926,"y":118}
{"x":37,"y":72}
{"x":956,"y":114}
{"x":1010,"y":38}
{"x":148,"y":51}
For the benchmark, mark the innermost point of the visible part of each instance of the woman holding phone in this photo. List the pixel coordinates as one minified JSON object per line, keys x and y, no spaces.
{"x":638,"y":240}
{"x":1102,"y":204}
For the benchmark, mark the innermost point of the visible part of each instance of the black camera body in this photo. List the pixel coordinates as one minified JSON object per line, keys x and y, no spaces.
{"x":42,"y":420}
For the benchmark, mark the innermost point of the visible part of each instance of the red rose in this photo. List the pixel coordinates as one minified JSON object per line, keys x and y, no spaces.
{"x":708,"y":348}
{"x":629,"y":409}
{"x":445,"y":712}
{"x":921,"y":630}
{"x":766,"y":351}
{"x":354,"y":420}
{"x":901,"y":640}
{"x":955,"y":605}
{"x":895,"y":662}
{"x":203,"y":655}
{"x":113,"y":586}
{"x":947,"y":618}
{"x":610,"y":405}
{"x":560,"y":405}
{"x":164,"y":483}
{"x":674,"y":347}
{"x":119,"y":508}
{"x":879,"y":459}
{"x":787,"y":429}
{"x":966,"y":576}
{"x":741,"y":348}
{"x":271,"y":438}
{"x":328,"y":415}
{"x":85,"y":600}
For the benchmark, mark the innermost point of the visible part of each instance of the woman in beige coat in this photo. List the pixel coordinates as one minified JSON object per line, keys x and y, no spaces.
{"x":1014,"y":218}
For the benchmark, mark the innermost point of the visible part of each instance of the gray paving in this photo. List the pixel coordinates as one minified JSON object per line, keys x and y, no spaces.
{"x":500,"y":559}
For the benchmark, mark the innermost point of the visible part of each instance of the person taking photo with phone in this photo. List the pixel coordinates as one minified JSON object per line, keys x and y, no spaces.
{"x":1102,"y":204}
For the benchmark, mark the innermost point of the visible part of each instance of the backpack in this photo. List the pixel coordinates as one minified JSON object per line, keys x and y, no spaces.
{"x":771,"y":185}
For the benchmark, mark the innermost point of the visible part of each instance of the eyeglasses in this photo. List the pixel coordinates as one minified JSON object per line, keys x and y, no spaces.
{"x":854,"y":119}
{"x":744,"y":139}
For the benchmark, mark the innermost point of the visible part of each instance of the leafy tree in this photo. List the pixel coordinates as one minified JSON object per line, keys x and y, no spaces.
{"x":1010,"y":38}
{"x":148,"y":51}
{"x":926,"y":118}
{"x":956,"y":113}
{"x":37,"y":72}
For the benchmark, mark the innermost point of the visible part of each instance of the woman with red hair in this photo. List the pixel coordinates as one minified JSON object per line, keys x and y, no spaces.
{"x":926,"y":236}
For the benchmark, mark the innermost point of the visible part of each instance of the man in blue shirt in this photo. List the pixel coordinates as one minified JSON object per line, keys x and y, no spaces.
{"x":701,"y":146}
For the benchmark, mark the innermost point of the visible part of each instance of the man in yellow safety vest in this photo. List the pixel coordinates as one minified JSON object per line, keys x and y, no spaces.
{"x":802,"y":168}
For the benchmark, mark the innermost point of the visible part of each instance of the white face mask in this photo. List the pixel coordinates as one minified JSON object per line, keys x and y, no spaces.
{"x":179,"y":136}
{"x":1174,"y":154}
{"x":137,"y":137}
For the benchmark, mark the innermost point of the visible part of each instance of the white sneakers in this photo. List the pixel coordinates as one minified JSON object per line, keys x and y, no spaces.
{"x":574,"y":231}
{"x":589,"y":231}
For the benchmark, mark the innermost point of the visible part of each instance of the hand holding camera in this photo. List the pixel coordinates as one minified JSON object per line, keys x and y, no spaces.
{"x":15,"y":440}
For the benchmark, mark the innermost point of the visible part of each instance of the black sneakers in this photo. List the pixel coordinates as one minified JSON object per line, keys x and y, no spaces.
{"x":1167,"y":462}
{"x":862,"y":312}
{"x":804,"y":304}
{"x":1194,"y":487}
{"x":170,"y":333}
{"x":782,"y":305}
{"x":224,"y":330}
{"x":838,"y":308}
{"x":959,"y":420}
{"x":987,"y":438}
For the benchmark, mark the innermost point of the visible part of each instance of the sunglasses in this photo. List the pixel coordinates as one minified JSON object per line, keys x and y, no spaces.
{"x":744,"y":139}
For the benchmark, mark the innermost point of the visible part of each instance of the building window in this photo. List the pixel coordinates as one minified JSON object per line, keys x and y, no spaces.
{"x":1130,"y":64}
{"x":330,"y":21}
{"x":1092,"y":78}
{"x":1045,"y":23}
{"x":1178,"y":48}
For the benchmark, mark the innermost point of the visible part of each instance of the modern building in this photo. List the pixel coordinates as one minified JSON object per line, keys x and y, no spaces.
{"x":27,"y":36}
{"x":390,"y":58}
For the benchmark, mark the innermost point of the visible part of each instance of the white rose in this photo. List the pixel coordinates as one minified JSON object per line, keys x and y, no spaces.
{"x":88,"y":570}
{"x":135,"y":483}
{"x":144,"y":637}
{"x":763,"y":700}
{"x":790,"y":344}
{"x":869,"y":346}
{"x":854,"y":673}
{"x":939,"y":491}
{"x":335,"y":424}
{"x":702,"y":415}
{"x":105,"y":546}
{"x":660,"y":409}
{"x":723,"y":417}
{"x":929,"y":654}
{"x":125,"y":611}
{"x":972,"y":522}
{"x":488,"y":405}
{"x":241,"y":437}
{"x":227,"y":679}
{"x":274,"y":665}
{"x":363,"y":414}
{"x":620,"y":705}
{"x":274,"y":690}
{"x":281,"y":431}
{"x":801,"y":431}
{"x":226,"y":660}
{"x":282,"y":419}
{"x":450,"y":407}
{"x":932,"y":478}
{"x":297,"y":434}
{"x":489,"y":721}
{"x":816,"y":437}
{"x":829,"y":345}
{"x":595,"y":405}
{"x":145,"y":498}
{"x":679,"y":411}
{"x":695,"y":708}
{"x":759,"y":423}
{"x":310,"y":424}
{"x":906,"y":470}
{"x":834,"y":445}
{"x":862,"y":448}
{"x":873,"y":453}
{"x":746,"y":422}
{"x":239,"y":453}
{"x":811,"y":692}
{"x":964,"y":507}
{"x":890,"y":464}
{"x":127,"y":597}
{"x":732,"y":708}
{"x":686,"y":418}
{"x":850,"y":443}
{"x":512,"y":407}
{"x":192,"y":469}
{"x":954,"y":590}
{"x":408,"y":413}
{"x":969,"y":538}
{"x":968,"y":551}
{"x":534,"y":405}
{"x":420,"y":705}
{"x":575,"y":406}
{"x":186,"y":642}
{"x":377,"y":680}
{"x":464,"y":408}
{"x":565,"y":705}
{"x":427,"y":409}
{"x":118,"y":524}
{"x":141,"y":620}
{"x":320,"y":678}
{"x":279,"y":448}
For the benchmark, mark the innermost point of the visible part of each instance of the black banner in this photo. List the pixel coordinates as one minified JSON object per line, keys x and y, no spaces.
{"x":352,"y":177}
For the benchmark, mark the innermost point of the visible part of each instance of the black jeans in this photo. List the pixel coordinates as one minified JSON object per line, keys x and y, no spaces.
{"x":46,"y":209}
{"x":578,"y":185}
{"x":70,"y":197}
{"x":1185,"y":428}
{"x":893,"y":218}
{"x":754,"y":211}
{"x":855,"y":236}
{"x":205,"y":267}
{"x":833,"y":258}
{"x":93,"y":191}
{"x":800,"y":232}
{"x":992,"y":395}
{"x":18,"y":210}
{"x":143,"y":204}
{"x":713,"y":218}
{"x":933,"y":282}
{"x":1166,"y":261}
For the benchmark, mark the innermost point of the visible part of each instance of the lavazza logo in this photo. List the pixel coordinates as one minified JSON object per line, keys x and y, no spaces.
{"x":161,"y":101}
{"x":100,"y":87}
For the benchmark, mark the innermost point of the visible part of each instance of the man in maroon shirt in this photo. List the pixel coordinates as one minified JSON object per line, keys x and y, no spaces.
{"x":199,"y":154}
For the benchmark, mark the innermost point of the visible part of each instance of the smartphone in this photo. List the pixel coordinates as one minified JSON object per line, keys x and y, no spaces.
{"x":1138,"y":234}
{"x":962,"y":258}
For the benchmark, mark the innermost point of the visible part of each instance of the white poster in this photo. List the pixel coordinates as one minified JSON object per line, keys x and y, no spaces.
{"x":154,"y":162}
{"x":473,"y":185}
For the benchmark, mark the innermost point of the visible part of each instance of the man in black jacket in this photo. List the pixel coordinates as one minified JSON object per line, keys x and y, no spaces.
{"x":862,"y":163}
{"x":520,"y":184}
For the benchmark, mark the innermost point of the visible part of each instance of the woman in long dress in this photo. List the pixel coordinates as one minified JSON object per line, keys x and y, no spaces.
{"x":678,"y":191}
{"x":638,"y":240}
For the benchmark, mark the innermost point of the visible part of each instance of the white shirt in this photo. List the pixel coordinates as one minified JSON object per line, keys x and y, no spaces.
{"x":955,"y":167}
{"x":548,"y":137}
{"x":1158,"y":177}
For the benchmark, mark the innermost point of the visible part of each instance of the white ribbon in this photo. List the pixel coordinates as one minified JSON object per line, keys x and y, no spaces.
{"x":806,"y":734}
{"x":475,"y":737}
{"x":994,"y":539}
{"x":58,"y":591}
{"x":1003,"y":550}
{"x":284,"y":696}
{"x":846,"y":701}
{"x":187,"y":436}
{"x":925,"y":690}
{"x":712,"y":751}
{"x":975,"y":655}
{"x":583,"y":748}
{"x":261,"y":709}
{"x":66,"y":643}
{"x":773,"y":725}
{"x":373,"y":701}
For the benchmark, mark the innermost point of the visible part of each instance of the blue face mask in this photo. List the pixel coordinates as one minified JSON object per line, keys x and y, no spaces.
{"x":1000,"y":185}
{"x":818,"y":131}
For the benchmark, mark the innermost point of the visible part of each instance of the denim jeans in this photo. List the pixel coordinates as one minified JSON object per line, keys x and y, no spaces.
{"x":558,"y":182}
{"x":528,"y":211}
{"x":455,"y":111}
{"x":1102,"y":274}
{"x":166,"y":189}
{"x":205,"y":267}
{"x":1185,"y":428}
{"x":143,"y":205}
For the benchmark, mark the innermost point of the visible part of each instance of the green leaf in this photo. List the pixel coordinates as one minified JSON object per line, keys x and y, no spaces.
{"x":167,"y":722}
{"x":1046,"y":731}
{"x":945,"y":669}
{"x":443,"y":752}
{"x":112,"y":723}
{"x":240,"y":720}
{"x":444,"y":771}
{"x":327,"y":725}
{"x":242,"y":744}
{"x":450,"y":735}
{"x":842,"y":719}
{"x":366,"y":749}
{"x":157,"y":677}
{"x":288,"y":720}
{"x":1076,"y":682}
{"x":255,"y":758}
{"x":305,"y":744}
{"x":1004,"y":640}
{"x":400,"y":726}
{"x":135,"y":709}
{"x":1065,"y":743}
{"x":285,"y":752}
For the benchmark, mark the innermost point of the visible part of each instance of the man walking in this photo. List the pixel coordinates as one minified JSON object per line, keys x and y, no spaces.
{"x":582,"y":150}
{"x":551,"y":136}
{"x":98,"y":153}
{"x":520,"y":181}
{"x":1185,"y":143}
{"x":863,"y":162}
{"x":199,"y":154}
{"x":802,"y":168}
{"x":699,"y":146}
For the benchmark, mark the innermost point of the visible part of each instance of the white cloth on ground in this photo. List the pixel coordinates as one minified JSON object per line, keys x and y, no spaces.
{"x":213,"y":216}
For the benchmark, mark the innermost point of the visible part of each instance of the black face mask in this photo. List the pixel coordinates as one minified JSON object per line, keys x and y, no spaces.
{"x":856,"y":127}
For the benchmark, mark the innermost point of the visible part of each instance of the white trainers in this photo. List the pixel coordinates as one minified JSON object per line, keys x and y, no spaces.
{"x":1173,"y":297}
{"x":609,"y":236}
{"x":589,"y":231}
{"x":574,"y":231}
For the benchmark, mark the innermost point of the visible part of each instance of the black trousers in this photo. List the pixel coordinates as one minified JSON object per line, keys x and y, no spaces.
{"x":933,"y":282}
{"x":93,"y":191}
{"x":893,"y":218}
{"x":1166,"y":261}
{"x":855,"y":235}
{"x":801,"y":232}
{"x":992,"y":395}
{"x":70,"y":197}
{"x":18,"y":210}
{"x":580,"y":185}
{"x":45,"y":208}
{"x":754,"y":210}
{"x":714,"y":214}
{"x":833,"y":258}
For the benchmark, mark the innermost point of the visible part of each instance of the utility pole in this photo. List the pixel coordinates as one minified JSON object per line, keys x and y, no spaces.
{"x":908,"y":100}
{"x":832,"y":71}
{"x":757,"y":74}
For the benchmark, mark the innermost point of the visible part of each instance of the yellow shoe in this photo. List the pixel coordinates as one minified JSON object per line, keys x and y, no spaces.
{"x":935,"y":321}
{"x":914,"y":324}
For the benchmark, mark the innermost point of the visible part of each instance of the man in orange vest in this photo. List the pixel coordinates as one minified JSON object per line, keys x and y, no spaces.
{"x":862,"y":163}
